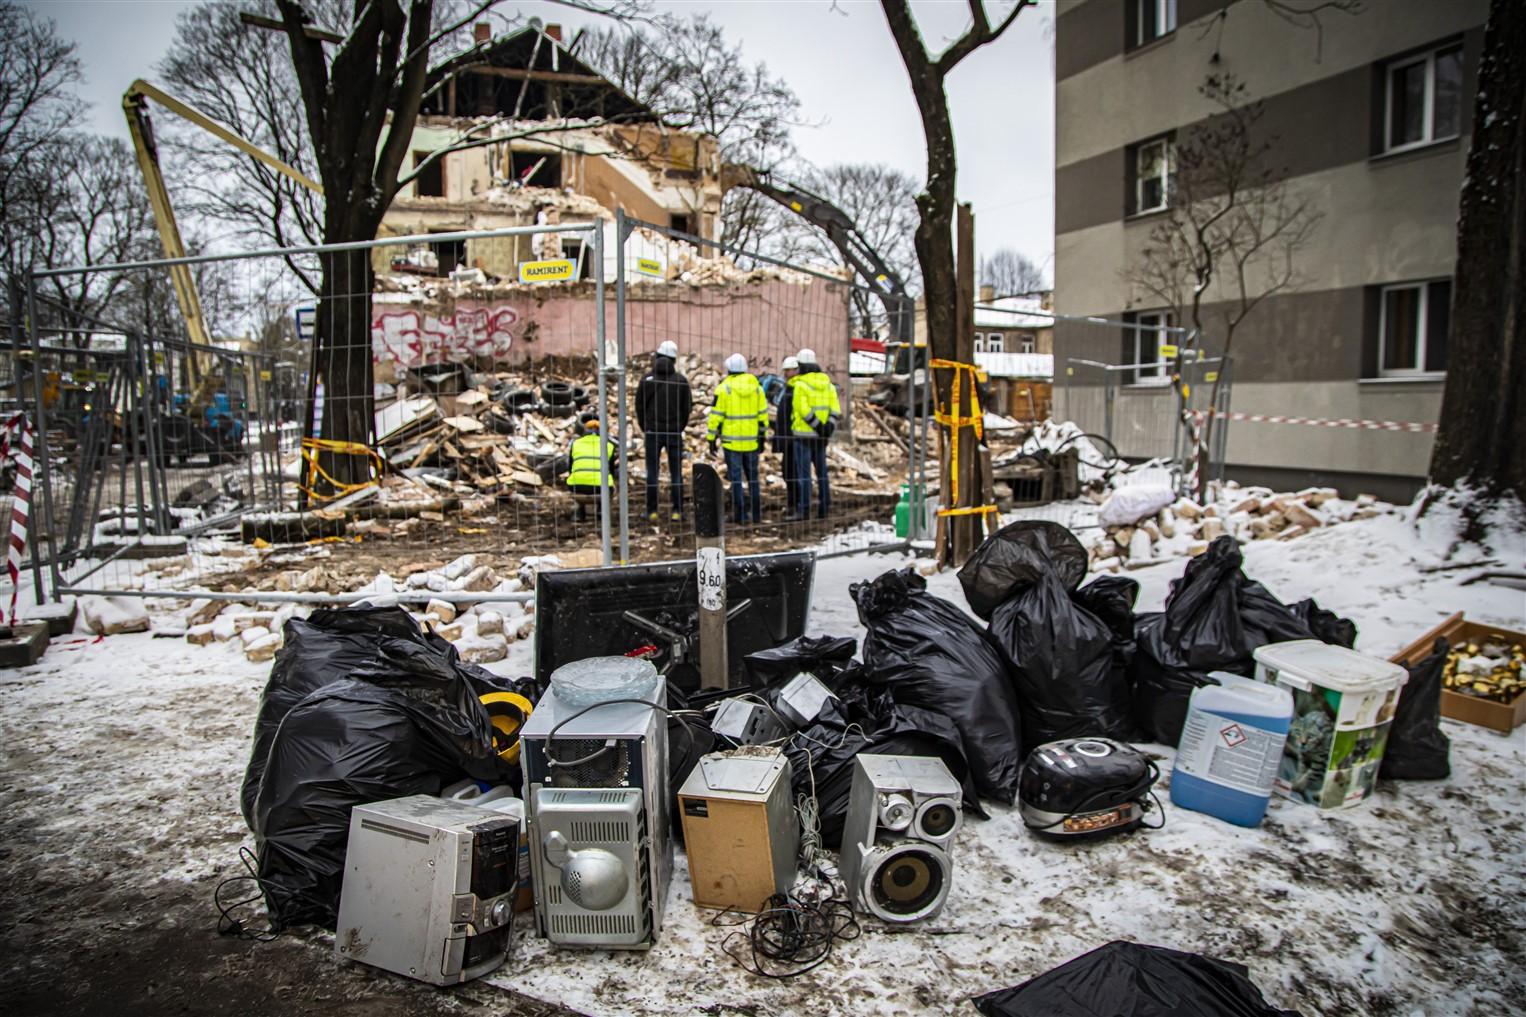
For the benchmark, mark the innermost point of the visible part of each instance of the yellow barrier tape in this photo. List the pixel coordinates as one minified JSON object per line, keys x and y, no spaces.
{"x":953,"y":421}
{"x":970,"y":511}
{"x":312,"y":447}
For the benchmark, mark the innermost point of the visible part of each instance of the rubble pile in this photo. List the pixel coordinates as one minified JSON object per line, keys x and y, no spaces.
{"x":1153,"y":525}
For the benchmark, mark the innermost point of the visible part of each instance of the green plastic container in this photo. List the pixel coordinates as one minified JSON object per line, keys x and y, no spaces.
{"x":908,"y":504}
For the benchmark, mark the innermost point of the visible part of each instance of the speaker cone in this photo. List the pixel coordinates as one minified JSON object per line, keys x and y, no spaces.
{"x":907,"y":884}
{"x":939,"y":820}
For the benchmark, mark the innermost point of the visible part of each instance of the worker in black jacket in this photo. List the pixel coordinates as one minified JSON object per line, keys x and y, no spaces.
{"x":663,"y":405}
{"x":784,"y":444}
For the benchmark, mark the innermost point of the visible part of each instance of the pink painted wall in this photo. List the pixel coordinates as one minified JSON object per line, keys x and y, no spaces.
{"x":766,"y":321}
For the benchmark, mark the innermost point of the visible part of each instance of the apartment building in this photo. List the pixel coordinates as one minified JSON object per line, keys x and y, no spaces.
{"x":1367,"y":116}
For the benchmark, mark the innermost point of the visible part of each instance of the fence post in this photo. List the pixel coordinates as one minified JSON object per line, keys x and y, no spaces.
{"x":42,"y":461}
{"x":602,"y":364}
{"x":622,"y":231}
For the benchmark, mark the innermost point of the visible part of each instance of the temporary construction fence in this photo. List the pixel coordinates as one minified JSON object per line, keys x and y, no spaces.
{"x":732,"y":301}
{"x":475,"y":387}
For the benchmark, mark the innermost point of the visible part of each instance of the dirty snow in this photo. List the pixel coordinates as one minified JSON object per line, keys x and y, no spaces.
{"x":122,"y":758}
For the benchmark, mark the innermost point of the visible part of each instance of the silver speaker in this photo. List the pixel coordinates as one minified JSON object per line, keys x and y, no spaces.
{"x":903,"y":812}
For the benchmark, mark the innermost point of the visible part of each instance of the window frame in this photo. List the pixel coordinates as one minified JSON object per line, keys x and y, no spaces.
{"x":1422,"y":326}
{"x":980,"y":342}
{"x":1027,"y":343}
{"x":1165,"y":17}
{"x":996,"y":342}
{"x":1154,"y":376}
{"x":1428,"y":116}
{"x":1167,"y":178}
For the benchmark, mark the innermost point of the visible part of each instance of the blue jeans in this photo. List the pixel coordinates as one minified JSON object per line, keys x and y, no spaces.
{"x":811,"y":453}
{"x":739,"y":466}
{"x":674,"y":444}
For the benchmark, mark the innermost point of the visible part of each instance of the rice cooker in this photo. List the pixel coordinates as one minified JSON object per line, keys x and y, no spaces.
{"x":1081,"y":787}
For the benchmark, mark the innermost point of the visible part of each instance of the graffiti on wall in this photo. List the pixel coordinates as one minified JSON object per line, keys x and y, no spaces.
{"x":412,"y":338}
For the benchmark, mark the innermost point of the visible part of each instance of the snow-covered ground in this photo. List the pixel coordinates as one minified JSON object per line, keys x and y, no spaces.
{"x":121,"y":760}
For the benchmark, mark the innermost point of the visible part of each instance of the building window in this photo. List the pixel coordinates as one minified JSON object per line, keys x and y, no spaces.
{"x":1413,"y":319}
{"x":1025,"y":343}
{"x":980,"y":342}
{"x":1152,"y":19}
{"x":995,"y":342}
{"x":1152,"y":166}
{"x":1141,"y":345}
{"x":431,"y":182}
{"x":1424,"y":99}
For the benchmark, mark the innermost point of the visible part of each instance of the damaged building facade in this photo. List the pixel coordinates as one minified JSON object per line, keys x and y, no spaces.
{"x":562,"y":145}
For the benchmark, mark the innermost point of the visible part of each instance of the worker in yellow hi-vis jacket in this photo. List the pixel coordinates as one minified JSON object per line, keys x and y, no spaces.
{"x":738,"y":422}
{"x":583,"y":470}
{"x":815,"y":410}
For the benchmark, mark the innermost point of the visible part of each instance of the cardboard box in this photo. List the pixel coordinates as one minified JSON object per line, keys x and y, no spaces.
{"x":1504,"y":717}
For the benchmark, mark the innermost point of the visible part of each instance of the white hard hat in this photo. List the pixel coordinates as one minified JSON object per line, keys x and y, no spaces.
{"x":807,"y":356}
{"x":668,"y":348}
{"x":791,"y":364}
{"x":736,"y":363}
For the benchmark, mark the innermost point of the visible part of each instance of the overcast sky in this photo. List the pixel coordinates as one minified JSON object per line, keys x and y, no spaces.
{"x":839,"y":58}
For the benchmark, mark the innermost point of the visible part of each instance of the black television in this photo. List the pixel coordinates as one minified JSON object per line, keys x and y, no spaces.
{"x":606,"y":612}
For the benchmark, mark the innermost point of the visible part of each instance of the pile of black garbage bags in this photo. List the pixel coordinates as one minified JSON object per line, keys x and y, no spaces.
{"x":361,"y":706}
{"x":1056,"y":659}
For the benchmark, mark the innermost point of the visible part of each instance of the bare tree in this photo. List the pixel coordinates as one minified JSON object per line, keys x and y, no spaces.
{"x":38,"y":72}
{"x":936,"y":207}
{"x":1482,"y":439}
{"x":695,"y":79}
{"x":240,"y":75}
{"x":361,"y":101}
{"x":1011,"y":273}
{"x":1234,"y":227}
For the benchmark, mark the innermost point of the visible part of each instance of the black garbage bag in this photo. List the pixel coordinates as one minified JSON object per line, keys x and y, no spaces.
{"x":866,"y":719}
{"x":1134,"y":980}
{"x":932,"y":655}
{"x":1417,"y":747}
{"x":324,"y":648}
{"x":1111,"y":598}
{"x":1327,"y":626}
{"x":1214,"y":620}
{"x":688,"y":741}
{"x":1015,"y":556}
{"x":407,"y":719}
{"x":822,"y":656}
{"x":1062,"y":662}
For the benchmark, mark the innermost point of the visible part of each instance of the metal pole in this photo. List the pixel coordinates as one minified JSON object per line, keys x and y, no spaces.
{"x":42,"y":461}
{"x":915,"y":509}
{"x":622,"y":231}
{"x":603,"y":361}
{"x":710,"y":565}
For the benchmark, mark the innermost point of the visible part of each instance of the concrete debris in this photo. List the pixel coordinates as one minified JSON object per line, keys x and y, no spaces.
{"x":110,"y":616}
{"x":1254,"y":513}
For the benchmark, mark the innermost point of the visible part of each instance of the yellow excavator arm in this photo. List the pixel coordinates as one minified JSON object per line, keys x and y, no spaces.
{"x":135,"y":107}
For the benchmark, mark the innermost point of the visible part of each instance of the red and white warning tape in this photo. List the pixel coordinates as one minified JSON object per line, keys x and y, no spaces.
{"x":1365,"y":425}
{"x":16,"y":442}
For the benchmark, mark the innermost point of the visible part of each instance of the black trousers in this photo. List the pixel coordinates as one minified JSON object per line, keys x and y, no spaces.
{"x":674,"y":444}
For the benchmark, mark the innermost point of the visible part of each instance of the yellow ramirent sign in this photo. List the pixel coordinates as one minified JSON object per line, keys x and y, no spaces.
{"x":649,"y":266}
{"x":546,"y":271}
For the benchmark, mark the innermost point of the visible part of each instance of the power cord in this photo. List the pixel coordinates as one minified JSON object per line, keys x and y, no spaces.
{"x":227,"y":923}
{"x":682,"y":716}
{"x":790,"y":936}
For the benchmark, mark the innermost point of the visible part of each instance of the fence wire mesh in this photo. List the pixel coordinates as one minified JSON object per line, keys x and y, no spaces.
{"x":355,"y":417}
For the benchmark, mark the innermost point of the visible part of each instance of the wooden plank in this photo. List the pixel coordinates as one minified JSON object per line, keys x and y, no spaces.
{"x":878,"y":421}
{"x":521,"y":74}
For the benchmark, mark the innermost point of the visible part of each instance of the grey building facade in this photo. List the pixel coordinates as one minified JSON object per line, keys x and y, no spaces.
{"x":1369,"y":115}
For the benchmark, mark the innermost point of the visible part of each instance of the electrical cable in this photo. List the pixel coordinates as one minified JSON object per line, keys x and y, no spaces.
{"x":227,"y":924}
{"x":790,"y":936}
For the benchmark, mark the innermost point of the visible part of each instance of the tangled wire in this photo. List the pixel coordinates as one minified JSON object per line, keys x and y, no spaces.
{"x":790,"y":936}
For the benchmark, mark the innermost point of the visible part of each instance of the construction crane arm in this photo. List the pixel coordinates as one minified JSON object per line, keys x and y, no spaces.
{"x":844,"y":234}
{"x":135,"y":107}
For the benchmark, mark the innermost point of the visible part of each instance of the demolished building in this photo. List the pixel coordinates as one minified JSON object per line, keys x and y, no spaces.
{"x":550,"y":141}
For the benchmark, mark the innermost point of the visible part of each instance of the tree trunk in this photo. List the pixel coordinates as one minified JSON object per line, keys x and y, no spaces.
{"x":342,"y":362}
{"x":1482,"y":438}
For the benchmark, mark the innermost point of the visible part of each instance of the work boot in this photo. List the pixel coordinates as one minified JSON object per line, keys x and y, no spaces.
{"x":676,"y":516}
{"x":653,"y":517}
